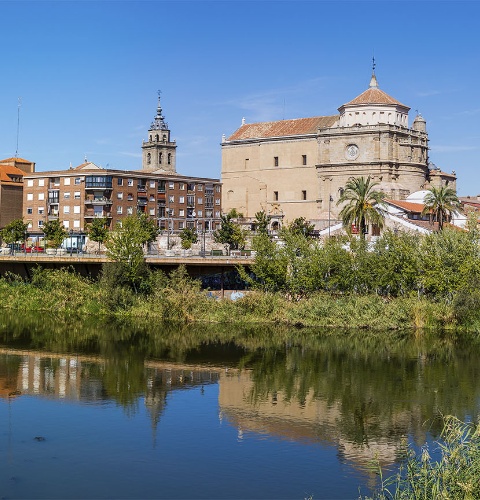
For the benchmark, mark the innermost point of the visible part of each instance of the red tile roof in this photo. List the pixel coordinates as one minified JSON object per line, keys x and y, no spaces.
{"x":407,"y":205}
{"x":283,"y":128}
{"x":7,"y":172}
{"x":18,"y":160}
{"x":374,"y":95}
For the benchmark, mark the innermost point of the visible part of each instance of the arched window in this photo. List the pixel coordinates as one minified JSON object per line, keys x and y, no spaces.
{"x":164,"y":138}
{"x":160,"y":158}
{"x":156,"y":137}
{"x":169,"y":158}
{"x":149,"y":158}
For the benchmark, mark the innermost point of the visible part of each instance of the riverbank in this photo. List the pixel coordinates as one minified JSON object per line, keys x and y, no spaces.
{"x":178,"y":298}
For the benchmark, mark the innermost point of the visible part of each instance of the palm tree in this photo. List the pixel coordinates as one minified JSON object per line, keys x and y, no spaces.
{"x":441,"y":202}
{"x":363,"y":204}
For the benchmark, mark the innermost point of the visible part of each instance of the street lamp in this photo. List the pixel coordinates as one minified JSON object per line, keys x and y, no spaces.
{"x":71,"y":242}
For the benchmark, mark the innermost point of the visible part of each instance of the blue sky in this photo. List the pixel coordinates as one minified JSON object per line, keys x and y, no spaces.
{"x":88,"y":73}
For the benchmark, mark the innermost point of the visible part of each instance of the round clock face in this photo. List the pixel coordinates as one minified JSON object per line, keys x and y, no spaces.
{"x":352,"y":151}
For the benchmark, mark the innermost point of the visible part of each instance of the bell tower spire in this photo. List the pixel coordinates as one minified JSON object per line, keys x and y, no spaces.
{"x":373,"y":80}
{"x":159,"y":151}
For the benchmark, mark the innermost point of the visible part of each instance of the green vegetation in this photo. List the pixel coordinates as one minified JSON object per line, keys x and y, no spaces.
{"x":98,"y":231}
{"x":54,"y":232}
{"x":14,"y":231}
{"x":230,"y":233}
{"x":188,"y":237}
{"x":454,"y":475}
{"x":362,"y":205}
{"x":441,"y":202}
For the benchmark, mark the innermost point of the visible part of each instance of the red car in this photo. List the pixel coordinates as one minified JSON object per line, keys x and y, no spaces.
{"x":33,"y":249}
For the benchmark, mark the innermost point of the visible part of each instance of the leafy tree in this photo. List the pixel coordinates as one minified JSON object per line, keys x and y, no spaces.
{"x":300,"y":225}
{"x":148,"y":228}
{"x":188,"y":237}
{"x":441,"y":202}
{"x":98,"y":230}
{"x":261,"y":222}
{"x":363,"y":204}
{"x":230,"y":233}
{"x":125,"y":246}
{"x":14,"y":231}
{"x":54,"y":232}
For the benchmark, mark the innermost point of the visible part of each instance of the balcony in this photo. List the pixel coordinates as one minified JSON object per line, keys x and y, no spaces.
{"x":98,"y":182}
{"x":142,"y":189}
{"x":142,"y":203}
{"x":89,"y":214}
{"x":98,"y":201}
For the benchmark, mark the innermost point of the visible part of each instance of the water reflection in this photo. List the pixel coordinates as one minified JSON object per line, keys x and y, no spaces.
{"x":360,"y":396}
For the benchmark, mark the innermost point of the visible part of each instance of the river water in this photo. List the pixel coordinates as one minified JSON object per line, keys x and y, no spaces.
{"x":107,"y":411}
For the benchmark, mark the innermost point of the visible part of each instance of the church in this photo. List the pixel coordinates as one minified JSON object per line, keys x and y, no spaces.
{"x":298,"y":167}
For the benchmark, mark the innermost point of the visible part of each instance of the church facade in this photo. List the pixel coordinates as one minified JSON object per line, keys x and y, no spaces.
{"x":298,"y":168}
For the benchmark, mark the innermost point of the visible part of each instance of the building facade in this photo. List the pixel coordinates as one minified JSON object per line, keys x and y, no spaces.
{"x":298,"y":168}
{"x":77,"y":196}
{"x":11,"y":188}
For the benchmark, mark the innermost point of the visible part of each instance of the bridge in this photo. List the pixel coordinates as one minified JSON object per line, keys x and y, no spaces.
{"x":90,"y":264}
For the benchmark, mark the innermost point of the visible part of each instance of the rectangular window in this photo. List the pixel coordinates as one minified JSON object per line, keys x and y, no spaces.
{"x":66,"y":196}
{"x":66,"y":181}
{"x":304,"y":159}
{"x":41,"y":196}
{"x":41,"y":210}
{"x":171,"y":185}
{"x":76,"y":224}
{"x":30,"y":183}
{"x":120,"y":181}
{"x":129,"y":210}
{"x":181,"y":186}
{"x":217,"y":201}
{"x":120,"y":196}
{"x":66,"y":224}
{"x":152,"y":184}
{"x":181,"y":213}
{"x":199,"y":187}
{"x":40,"y":223}
{"x":217,"y":188}
{"x":200,"y":201}
{"x":41,"y":182}
{"x":29,"y":211}
{"x":275,"y":161}
{"x":119,"y":210}
{"x":152,"y":211}
{"x":200,"y":213}
{"x":66,"y":209}
{"x":29,"y":196}
{"x":304,"y":195}
{"x":130,"y":182}
{"x":275,"y":196}
{"x":181,"y":199}
{"x":180,"y":225}
{"x":76,"y":195}
{"x":171,"y":199}
{"x":76,"y":209}
{"x":78,"y":180}
{"x":217,"y":214}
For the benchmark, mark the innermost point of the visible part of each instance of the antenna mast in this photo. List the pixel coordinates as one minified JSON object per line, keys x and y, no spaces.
{"x":18,"y":124}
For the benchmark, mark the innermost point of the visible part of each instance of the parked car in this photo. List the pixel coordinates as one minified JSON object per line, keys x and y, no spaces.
{"x":34,"y":249}
{"x":15,"y":247}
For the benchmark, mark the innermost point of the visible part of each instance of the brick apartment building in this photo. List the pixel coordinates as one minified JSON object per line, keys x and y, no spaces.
{"x":77,"y":196}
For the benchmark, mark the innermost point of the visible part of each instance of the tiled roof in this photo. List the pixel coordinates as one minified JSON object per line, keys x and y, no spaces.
{"x":283,"y":128}
{"x":374,"y":95}
{"x":18,"y":160}
{"x":407,"y":205}
{"x":7,"y":172}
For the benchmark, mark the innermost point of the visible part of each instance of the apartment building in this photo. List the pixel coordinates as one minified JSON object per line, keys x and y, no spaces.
{"x":77,"y":196}
{"x":11,"y":189}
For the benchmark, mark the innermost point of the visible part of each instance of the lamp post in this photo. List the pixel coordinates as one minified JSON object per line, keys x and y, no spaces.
{"x":25,"y":242}
{"x":71,"y":242}
{"x":330,"y":199}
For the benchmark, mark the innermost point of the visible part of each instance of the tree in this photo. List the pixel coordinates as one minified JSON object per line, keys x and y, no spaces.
{"x":54,"y":232}
{"x":230,"y":233}
{"x":98,"y":230}
{"x":188,"y":236}
{"x":300,"y":225}
{"x":441,"y":202}
{"x":125,"y":247}
{"x":148,"y":228}
{"x":261,"y":222}
{"x":363,"y":205}
{"x":14,"y":231}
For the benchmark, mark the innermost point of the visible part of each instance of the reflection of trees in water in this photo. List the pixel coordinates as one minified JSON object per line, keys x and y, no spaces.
{"x":384,"y":384}
{"x":381,"y":390}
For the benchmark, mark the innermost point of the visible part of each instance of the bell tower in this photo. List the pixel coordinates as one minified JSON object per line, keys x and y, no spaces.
{"x":159,"y":152}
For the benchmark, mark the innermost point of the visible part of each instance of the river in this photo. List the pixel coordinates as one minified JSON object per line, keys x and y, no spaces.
{"x":94,"y":411}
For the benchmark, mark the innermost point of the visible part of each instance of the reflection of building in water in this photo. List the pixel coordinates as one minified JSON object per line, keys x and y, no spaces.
{"x":313,"y":420}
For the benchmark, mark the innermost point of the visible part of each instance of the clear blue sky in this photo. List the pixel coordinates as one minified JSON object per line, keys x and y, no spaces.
{"x":88,"y":73}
